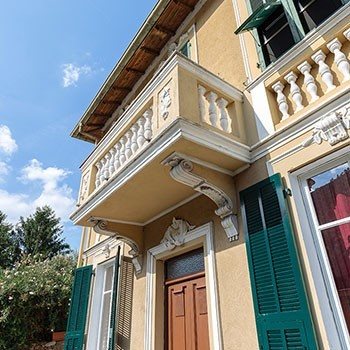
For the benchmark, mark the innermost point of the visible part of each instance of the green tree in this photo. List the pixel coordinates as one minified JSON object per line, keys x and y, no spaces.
{"x":9,"y":247}
{"x":40,"y":234}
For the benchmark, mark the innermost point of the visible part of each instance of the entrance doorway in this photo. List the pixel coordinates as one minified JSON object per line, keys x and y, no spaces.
{"x":186,"y":303}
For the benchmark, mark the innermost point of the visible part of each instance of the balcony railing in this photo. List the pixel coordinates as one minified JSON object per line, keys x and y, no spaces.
{"x":324,"y":71}
{"x":180,"y":89}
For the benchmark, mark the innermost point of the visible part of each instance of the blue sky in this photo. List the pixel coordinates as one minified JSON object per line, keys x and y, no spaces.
{"x":54,"y":55}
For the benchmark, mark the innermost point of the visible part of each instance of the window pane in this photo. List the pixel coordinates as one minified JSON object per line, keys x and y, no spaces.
{"x":109,"y":276}
{"x":314,"y":12}
{"x":105,"y":322}
{"x":330,"y":193}
{"x":337,"y":242}
{"x":275,"y":36}
{"x":185,"y":264}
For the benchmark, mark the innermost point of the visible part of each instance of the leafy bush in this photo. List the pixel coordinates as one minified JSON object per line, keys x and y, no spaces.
{"x":34,"y":300}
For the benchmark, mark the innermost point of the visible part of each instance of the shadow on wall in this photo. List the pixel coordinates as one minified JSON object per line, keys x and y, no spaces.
{"x":125,"y":305}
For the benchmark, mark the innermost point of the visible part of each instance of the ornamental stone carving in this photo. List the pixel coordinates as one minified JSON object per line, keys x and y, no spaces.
{"x":181,"y":171}
{"x":165,"y":102}
{"x":101,"y":227}
{"x":84,"y":188}
{"x":176,"y":233}
{"x":332,"y":128}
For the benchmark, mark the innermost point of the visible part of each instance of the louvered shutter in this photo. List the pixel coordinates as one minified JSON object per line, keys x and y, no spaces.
{"x":281,"y":308}
{"x":112,"y":324}
{"x":74,"y":338}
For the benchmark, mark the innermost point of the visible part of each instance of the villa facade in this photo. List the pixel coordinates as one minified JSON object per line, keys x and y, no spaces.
{"x":215,"y":205}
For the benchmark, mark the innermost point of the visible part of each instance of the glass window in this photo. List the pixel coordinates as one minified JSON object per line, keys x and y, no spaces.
{"x":330,"y":195}
{"x":186,"y":49}
{"x":314,"y":12}
{"x":186,"y":264}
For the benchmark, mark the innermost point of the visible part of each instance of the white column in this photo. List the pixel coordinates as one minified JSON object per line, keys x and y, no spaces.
{"x":98,"y":174}
{"x":325,"y":72}
{"x":117,"y":156}
{"x":148,"y":124}
{"x":291,"y":78}
{"x":111,"y":161}
{"x":225,"y":121}
{"x":309,"y":80}
{"x":340,"y":59}
{"x":122,"y":157}
{"x":128,"y":152}
{"x":102,"y":172}
{"x":141,"y":131}
{"x":281,"y":99}
{"x":213,"y":115}
{"x":134,"y":145}
{"x":201,"y":102}
{"x":106,"y":173}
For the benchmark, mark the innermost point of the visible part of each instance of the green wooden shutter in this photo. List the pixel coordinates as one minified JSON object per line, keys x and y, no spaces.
{"x":112,"y":323}
{"x":74,"y":339}
{"x":281,"y":309}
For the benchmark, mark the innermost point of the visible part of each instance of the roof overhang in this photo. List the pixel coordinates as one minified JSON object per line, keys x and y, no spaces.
{"x":162,"y":23}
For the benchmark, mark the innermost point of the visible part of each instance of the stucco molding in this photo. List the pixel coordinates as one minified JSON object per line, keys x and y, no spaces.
{"x":176,"y":233}
{"x":181,"y":171}
{"x":101,"y":227}
{"x":332,"y":128}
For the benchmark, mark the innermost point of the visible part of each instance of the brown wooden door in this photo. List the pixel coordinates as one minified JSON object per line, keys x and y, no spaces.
{"x":187,"y":314}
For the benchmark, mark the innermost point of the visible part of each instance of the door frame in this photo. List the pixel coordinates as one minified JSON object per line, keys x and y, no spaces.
{"x":198,"y":237}
{"x":329,"y":302}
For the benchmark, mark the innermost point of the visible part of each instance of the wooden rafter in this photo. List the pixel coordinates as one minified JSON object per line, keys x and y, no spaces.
{"x":164,"y":30}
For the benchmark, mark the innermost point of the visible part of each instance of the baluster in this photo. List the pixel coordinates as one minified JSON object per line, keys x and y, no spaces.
{"x":128,"y":152}
{"x":102,"y":176}
{"x":111,"y":161}
{"x":98,"y":174}
{"x":148,"y":124}
{"x":117,"y":156}
{"x":201,"y":102}
{"x":213,"y":116}
{"x":291,"y":78}
{"x":225,"y":121}
{"x":340,"y":59}
{"x":122,"y":157}
{"x":281,"y":99}
{"x":106,"y":173}
{"x":141,"y":131}
{"x":134,"y":145}
{"x":325,"y":72}
{"x":309,"y":80}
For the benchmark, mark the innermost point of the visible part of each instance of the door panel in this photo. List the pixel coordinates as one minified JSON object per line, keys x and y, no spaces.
{"x":188,"y":315}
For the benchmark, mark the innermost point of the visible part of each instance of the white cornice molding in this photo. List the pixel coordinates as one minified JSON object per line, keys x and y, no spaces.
{"x":180,"y":128}
{"x":181,"y":171}
{"x":342,"y":14}
{"x":99,"y":247}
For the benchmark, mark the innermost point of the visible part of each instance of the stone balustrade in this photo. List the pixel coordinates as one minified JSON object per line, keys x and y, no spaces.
{"x":129,"y":144}
{"x":213,"y":109}
{"x":305,"y":77}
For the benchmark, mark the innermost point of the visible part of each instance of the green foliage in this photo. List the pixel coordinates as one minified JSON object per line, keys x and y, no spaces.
{"x":41,"y":234}
{"x":34,"y":299}
{"x":9,"y":247}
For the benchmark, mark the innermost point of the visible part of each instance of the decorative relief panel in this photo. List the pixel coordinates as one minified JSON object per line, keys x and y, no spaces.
{"x":84,"y":188}
{"x":332,"y":128}
{"x":175,"y":234}
{"x":165,"y":102}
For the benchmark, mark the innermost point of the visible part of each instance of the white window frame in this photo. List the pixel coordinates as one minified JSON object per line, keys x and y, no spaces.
{"x":333,"y":316}
{"x":94,"y":332}
{"x":201,"y":236}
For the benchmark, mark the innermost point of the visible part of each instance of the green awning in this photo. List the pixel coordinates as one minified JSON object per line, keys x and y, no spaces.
{"x":259,"y":16}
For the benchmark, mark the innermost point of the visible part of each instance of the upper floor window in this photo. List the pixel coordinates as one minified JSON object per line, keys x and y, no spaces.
{"x":279,"y":24}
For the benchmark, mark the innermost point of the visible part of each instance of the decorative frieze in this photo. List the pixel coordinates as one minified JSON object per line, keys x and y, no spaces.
{"x":181,"y":171}
{"x":165,"y":102}
{"x":332,"y":128}
{"x":175,"y":234}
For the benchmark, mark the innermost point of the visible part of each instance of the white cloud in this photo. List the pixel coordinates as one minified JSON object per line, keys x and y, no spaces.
{"x":4,"y":170}
{"x":8,"y":144}
{"x":52,"y":192}
{"x":72,"y":73}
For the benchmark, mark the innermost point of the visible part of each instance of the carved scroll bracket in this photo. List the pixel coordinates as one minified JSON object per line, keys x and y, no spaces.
{"x":101,"y":227}
{"x":181,"y":171}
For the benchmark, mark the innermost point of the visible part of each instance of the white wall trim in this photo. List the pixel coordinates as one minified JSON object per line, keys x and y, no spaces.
{"x":327,"y":295}
{"x":161,"y":252}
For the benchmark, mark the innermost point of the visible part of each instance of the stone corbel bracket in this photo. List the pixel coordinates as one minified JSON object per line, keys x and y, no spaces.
{"x":181,"y":171}
{"x":101,"y":227}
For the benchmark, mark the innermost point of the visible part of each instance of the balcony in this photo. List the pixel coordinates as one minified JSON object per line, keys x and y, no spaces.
{"x":320,"y":76}
{"x":184,"y":114}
